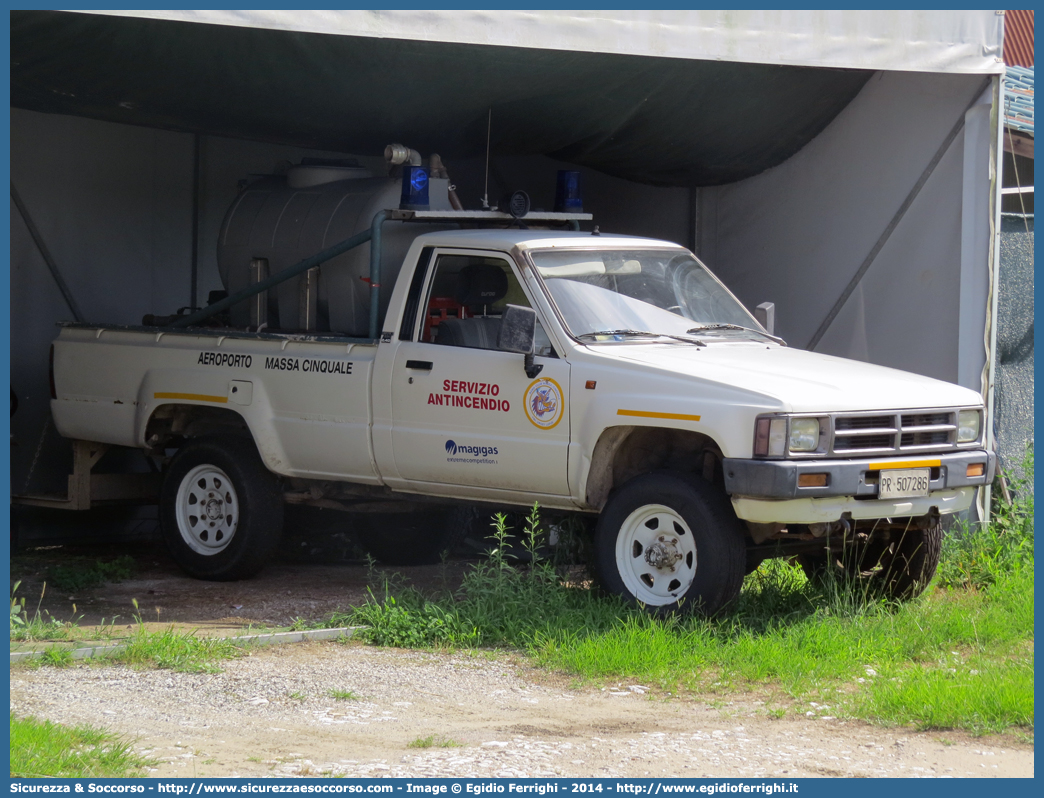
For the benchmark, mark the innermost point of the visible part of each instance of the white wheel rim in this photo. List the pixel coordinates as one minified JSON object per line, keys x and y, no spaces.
{"x":656,"y":555}
{"x":207,"y":510}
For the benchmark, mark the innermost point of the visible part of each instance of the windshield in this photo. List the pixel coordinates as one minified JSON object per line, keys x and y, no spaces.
{"x":633,"y":293}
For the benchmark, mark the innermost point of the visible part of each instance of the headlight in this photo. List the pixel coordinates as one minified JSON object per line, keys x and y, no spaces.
{"x":968,"y":423}
{"x":804,"y":434}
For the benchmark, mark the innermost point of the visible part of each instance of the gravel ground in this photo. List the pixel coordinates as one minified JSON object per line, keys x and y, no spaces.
{"x":271,"y":713}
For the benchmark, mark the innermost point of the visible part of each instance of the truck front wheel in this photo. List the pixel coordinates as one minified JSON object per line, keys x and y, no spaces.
{"x":895,"y":564}
{"x":670,"y":542}
{"x":221,"y":510}
{"x":910,"y":563}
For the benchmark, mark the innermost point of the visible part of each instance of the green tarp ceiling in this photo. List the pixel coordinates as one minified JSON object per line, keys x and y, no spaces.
{"x":653,"y":120}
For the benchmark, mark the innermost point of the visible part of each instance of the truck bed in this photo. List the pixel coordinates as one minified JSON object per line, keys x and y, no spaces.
{"x":305,"y":398}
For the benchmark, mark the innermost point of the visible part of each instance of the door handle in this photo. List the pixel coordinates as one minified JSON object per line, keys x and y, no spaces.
{"x":423,"y":365}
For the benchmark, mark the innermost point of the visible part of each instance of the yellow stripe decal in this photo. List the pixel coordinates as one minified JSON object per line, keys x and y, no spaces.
{"x":647,"y":414}
{"x":194,"y":397}
{"x":904,"y":464}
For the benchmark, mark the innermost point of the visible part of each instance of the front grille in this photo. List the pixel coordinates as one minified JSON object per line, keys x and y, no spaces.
{"x":852,"y":443}
{"x":939,"y":438}
{"x":894,"y":433}
{"x":926,"y":419}
{"x":862,"y":422}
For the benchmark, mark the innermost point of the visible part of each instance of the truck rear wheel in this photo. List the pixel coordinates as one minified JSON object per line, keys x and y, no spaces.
{"x":670,"y":542}
{"x":221,"y":510}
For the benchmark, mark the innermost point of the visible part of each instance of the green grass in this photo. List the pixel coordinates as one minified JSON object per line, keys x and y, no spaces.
{"x":981,"y":695}
{"x":40,"y":748}
{"x":82,"y":574}
{"x":173,"y":650}
{"x":434,"y":741}
{"x":38,"y":626}
{"x":169,"y":649}
{"x":55,"y":657}
{"x":892,"y":664}
{"x":343,"y":695}
{"x":959,"y":656}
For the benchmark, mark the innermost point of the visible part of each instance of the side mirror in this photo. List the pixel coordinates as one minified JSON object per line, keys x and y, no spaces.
{"x":518,"y":334}
{"x":517,"y":330}
{"x":765,"y":313}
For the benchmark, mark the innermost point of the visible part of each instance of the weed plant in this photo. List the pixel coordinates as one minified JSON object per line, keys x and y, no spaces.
{"x":173,"y":650}
{"x":960,"y":656}
{"x":41,"y":625}
{"x":343,"y":695}
{"x":977,"y":558}
{"x":40,"y":748}
{"x":176,"y":651}
{"x":434,"y":741}
{"x":498,"y":604}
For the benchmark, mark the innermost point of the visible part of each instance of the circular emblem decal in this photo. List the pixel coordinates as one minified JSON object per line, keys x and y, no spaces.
{"x":543,"y":403}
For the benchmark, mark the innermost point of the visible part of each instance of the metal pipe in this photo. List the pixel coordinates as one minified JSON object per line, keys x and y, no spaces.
{"x":46,"y":254}
{"x":283,"y":276}
{"x":374,"y":234}
{"x":438,"y":169}
{"x":398,"y":154}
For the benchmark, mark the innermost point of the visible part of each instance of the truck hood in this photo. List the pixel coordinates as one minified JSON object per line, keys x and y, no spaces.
{"x":802,"y":381}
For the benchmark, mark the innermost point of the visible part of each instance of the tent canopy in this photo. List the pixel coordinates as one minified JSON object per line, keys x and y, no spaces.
{"x":657,"y":120}
{"x":674,"y":98}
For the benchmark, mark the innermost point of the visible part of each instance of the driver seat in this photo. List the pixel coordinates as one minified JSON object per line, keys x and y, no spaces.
{"x":478,"y":287}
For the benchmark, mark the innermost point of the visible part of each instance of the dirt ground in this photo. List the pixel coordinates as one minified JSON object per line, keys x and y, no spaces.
{"x":488,"y":714}
{"x":309,"y":578}
{"x":273,"y":712}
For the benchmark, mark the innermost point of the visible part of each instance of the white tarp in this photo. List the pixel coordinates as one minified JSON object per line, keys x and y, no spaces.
{"x":919,"y":41}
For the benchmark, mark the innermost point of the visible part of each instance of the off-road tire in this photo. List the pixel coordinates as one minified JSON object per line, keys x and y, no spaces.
{"x":249,"y":538}
{"x":908,"y":563}
{"x":656,"y":509}
{"x":899,"y":568}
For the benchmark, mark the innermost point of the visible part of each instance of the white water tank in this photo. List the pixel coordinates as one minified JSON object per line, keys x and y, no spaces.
{"x":285,"y":219}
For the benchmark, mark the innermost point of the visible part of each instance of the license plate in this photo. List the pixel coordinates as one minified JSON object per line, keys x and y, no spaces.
{"x":904,"y":483}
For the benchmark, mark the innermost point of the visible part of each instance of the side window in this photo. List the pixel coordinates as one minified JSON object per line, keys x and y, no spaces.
{"x":466,"y":300}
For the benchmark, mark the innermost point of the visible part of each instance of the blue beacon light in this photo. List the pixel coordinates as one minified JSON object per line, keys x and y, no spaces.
{"x":568,"y":198}
{"x":414,"y":189}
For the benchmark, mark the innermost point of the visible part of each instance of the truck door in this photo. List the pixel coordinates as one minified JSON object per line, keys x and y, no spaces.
{"x":462,"y":412}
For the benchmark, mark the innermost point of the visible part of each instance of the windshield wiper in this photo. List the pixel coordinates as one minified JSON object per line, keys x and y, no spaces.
{"x":723,"y":326}
{"x":644,"y":333}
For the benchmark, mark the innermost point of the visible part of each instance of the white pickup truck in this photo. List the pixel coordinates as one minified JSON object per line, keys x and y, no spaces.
{"x":609,"y":376}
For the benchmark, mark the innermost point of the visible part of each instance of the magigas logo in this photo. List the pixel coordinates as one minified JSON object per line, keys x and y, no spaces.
{"x":453,"y":448}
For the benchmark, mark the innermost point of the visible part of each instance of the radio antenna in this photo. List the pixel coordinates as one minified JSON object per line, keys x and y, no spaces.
{"x":485,"y":188}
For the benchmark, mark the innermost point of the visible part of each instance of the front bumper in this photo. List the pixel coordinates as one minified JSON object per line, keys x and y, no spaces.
{"x":832,"y":508}
{"x":778,"y":479}
{"x":766,"y":491}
